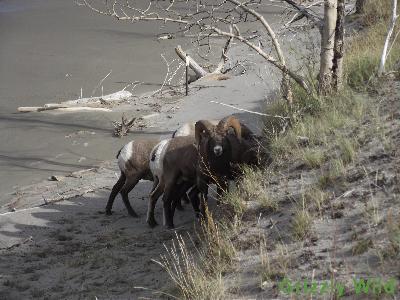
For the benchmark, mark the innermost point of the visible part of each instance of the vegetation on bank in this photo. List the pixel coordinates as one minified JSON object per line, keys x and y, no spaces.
{"x":325,"y":136}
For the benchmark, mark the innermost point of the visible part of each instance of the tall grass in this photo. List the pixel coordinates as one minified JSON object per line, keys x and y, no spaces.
{"x":196,"y":270}
{"x":188,"y":271}
{"x":327,"y":123}
{"x":363,"y":53}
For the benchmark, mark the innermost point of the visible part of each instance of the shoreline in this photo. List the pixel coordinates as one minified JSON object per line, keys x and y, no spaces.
{"x":167,"y":113}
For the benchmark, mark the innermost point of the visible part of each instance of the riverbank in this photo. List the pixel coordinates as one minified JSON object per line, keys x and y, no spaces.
{"x":62,"y":248}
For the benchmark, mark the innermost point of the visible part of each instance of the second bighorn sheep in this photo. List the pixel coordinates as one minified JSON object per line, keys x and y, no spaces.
{"x":133,"y":162}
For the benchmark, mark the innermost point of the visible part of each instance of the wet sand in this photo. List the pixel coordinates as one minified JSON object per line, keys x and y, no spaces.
{"x":49,"y":51}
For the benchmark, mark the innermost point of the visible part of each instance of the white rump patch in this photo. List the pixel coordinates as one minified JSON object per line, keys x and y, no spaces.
{"x":157,"y":157}
{"x":125,"y":155}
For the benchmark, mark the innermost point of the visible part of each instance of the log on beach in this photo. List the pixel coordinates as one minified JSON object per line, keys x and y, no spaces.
{"x":83,"y":104}
{"x":112,"y":98}
{"x":25,"y":109}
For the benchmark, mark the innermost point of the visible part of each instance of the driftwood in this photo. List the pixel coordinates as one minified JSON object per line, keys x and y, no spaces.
{"x":111,"y":98}
{"x":122,"y":128}
{"x":61,"y":108}
{"x":83,"y":104}
{"x":197,"y":69}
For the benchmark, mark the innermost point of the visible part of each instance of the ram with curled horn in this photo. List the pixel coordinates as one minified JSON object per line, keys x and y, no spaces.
{"x":230,"y":122}
{"x":215,"y":154}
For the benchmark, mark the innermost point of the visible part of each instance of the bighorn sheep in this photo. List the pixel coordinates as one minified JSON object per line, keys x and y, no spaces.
{"x":218,"y":150}
{"x":180,"y":162}
{"x":133,"y":162}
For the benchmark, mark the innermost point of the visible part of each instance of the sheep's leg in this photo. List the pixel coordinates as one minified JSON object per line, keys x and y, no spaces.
{"x":130,"y":183}
{"x":181,"y":190}
{"x":186,"y":199}
{"x":168,"y":217}
{"x":178,"y":203}
{"x":114,"y":192}
{"x":155,"y":193}
{"x":193,"y":196}
{"x":170,"y":186}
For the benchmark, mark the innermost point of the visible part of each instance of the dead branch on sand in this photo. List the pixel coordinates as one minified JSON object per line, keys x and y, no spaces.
{"x":122,"y":128}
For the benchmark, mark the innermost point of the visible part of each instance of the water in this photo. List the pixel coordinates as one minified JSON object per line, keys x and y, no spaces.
{"x":49,"y":50}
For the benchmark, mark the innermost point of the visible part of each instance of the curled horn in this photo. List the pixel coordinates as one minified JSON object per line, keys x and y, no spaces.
{"x":233,"y":122}
{"x":200,"y":126}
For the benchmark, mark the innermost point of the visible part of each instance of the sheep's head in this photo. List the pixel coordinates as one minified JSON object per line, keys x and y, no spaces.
{"x":214,"y":138}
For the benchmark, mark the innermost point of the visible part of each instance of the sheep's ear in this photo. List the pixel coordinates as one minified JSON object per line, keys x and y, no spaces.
{"x":202,"y":129}
{"x":230,"y":122}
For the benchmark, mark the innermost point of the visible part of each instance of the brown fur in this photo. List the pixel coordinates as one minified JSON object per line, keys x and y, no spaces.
{"x":134,"y":169}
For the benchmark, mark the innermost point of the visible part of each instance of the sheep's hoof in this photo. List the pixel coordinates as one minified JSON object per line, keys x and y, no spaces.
{"x":108,"y":212}
{"x":180,"y":207}
{"x":152,"y":223}
{"x":170,"y":226}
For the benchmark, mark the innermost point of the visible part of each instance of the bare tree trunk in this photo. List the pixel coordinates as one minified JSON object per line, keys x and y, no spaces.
{"x":337,"y":68}
{"x":286,"y":89}
{"x":327,"y":45}
{"x":360,"y":4}
{"x":385,"y":53}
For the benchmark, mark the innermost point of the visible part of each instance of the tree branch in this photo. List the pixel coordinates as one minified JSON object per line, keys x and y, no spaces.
{"x":305,"y":12}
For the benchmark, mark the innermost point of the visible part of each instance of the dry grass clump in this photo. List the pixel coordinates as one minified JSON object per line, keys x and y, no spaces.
{"x":188,"y":272}
{"x":301,"y":224}
{"x":276,"y":267}
{"x":348,"y":149}
{"x":316,"y":198}
{"x":314,"y":158}
{"x":197,"y":271}
{"x":252,"y":186}
{"x":216,"y":243}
